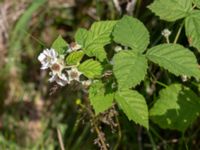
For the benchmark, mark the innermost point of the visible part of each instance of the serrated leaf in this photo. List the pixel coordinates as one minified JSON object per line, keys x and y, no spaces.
{"x":175,"y":58}
{"x":74,"y":57}
{"x":90,"y":68}
{"x":97,"y":38}
{"x":173,"y":117}
{"x":134,"y":106}
{"x":132,"y":33}
{"x":192,"y":24}
{"x":171,"y":10}
{"x":60,"y":45}
{"x":100,"y":100}
{"x":168,"y":100}
{"x":81,"y":36}
{"x":129,"y":68}
{"x":197,"y":3}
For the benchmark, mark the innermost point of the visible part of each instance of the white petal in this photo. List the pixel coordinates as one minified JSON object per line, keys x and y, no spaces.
{"x":63,"y":77}
{"x":53,"y":53}
{"x":61,"y":82}
{"x":46,"y":52}
{"x":44,"y":67}
{"x":53,"y":61}
{"x":41,"y":57}
{"x":53,"y":78}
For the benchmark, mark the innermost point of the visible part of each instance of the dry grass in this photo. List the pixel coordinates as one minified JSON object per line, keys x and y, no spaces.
{"x":10,"y":11}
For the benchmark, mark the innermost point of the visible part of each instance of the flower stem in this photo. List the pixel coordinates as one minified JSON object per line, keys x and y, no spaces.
{"x":167,"y":39}
{"x":178,"y":33}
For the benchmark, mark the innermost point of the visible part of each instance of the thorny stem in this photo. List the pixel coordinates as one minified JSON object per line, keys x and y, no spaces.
{"x":100,"y":137}
{"x":119,"y":134}
{"x":178,"y":33}
{"x":95,"y":126}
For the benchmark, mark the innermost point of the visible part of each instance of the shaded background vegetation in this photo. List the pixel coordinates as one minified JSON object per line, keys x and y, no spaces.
{"x":33,"y":112}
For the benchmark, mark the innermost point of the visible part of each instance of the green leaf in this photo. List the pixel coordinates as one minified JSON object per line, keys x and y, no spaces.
{"x":90,"y":68}
{"x":134,"y":106}
{"x":97,"y":37}
{"x":81,"y":36}
{"x":177,"y":110}
{"x":197,"y":3}
{"x":60,"y":45}
{"x":171,"y":10}
{"x":168,"y":100}
{"x":132,"y":33}
{"x":175,"y":58}
{"x":129,"y":68}
{"x":74,"y":57}
{"x":100,"y":100}
{"x":192,"y":24}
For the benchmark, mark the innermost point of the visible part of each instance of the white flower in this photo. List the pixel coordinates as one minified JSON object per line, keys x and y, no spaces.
{"x":166,"y":33}
{"x":74,"y":74}
{"x":60,"y":79}
{"x":57,"y":75}
{"x":73,"y":47}
{"x":47,"y":58}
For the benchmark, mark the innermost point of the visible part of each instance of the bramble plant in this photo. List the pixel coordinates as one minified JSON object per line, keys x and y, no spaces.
{"x":112,"y":76}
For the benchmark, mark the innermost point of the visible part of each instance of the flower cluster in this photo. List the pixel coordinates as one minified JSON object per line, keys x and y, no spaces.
{"x":59,"y":72}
